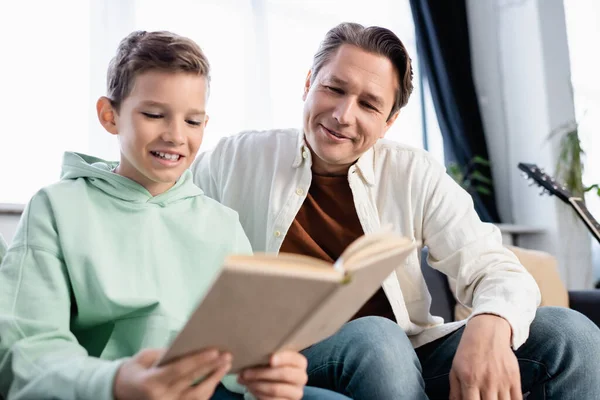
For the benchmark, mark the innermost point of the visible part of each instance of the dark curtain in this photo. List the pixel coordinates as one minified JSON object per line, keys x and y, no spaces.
{"x":445,"y":60}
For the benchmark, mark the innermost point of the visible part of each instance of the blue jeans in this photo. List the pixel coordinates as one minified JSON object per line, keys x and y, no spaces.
{"x":372,"y":358}
{"x":369,"y":358}
{"x":559,"y":360}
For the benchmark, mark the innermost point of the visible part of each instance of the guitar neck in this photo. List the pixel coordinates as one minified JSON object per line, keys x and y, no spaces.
{"x":593,"y":225}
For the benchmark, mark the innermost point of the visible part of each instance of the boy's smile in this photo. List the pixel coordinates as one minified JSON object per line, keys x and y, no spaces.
{"x":166,"y":156}
{"x":160,"y":127}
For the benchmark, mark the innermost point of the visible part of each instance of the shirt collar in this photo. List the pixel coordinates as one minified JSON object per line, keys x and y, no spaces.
{"x":364,"y":165}
{"x":302,"y":150}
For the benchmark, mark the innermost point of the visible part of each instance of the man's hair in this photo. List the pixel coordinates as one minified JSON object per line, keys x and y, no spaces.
{"x":373,"y":39}
{"x":142,"y":51}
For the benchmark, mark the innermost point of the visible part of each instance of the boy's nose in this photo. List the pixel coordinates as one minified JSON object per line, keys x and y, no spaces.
{"x":174,"y":134}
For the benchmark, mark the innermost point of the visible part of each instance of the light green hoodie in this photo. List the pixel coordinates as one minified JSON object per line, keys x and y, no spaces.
{"x":99,"y":269}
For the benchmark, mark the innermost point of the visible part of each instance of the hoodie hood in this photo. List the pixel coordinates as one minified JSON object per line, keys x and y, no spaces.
{"x":98,"y":173}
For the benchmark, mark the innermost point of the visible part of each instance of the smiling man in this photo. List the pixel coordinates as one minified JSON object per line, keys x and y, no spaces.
{"x":313,"y":191}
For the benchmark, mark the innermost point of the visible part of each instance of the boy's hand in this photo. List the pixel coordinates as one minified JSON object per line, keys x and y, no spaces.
{"x":137,"y":378}
{"x":284,"y":379}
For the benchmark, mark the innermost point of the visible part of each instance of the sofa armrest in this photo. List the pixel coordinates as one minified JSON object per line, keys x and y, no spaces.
{"x":586,"y":302}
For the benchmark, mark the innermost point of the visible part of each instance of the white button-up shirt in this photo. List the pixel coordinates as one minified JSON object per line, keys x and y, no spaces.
{"x":266,"y":175}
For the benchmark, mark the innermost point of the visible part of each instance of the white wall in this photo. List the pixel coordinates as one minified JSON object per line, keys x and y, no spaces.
{"x":522,"y":76}
{"x":8,"y":225}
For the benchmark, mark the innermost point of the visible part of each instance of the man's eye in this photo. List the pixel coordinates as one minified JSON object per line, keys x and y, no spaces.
{"x":151,"y":115}
{"x":369,"y":106}
{"x":334,"y":89}
{"x":194,"y":123}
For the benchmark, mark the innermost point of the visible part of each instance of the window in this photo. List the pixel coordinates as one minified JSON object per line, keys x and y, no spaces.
{"x":260,"y":52}
{"x":582,"y":17}
{"x":44,"y":81}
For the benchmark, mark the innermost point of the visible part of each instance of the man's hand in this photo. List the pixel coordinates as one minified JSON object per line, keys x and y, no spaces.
{"x":283,"y":379}
{"x":137,"y":378}
{"x":485,"y":366}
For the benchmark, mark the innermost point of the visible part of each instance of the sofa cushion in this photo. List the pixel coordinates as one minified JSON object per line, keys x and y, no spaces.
{"x":544,"y":269}
{"x":442,"y":299}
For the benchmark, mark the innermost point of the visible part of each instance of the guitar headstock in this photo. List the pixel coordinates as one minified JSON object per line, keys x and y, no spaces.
{"x":546,"y":181}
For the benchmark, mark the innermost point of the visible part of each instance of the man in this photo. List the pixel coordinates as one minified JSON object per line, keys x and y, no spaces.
{"x":313,"y":192}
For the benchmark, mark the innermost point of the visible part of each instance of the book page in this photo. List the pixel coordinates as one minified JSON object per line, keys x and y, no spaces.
{"x":348,"y":298}
{"x":249,"y":314}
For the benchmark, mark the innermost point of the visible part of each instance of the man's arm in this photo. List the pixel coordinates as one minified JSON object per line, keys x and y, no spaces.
{"x":489,"y":278}
{"x":504,"y":296}
{"x":39,"y":356}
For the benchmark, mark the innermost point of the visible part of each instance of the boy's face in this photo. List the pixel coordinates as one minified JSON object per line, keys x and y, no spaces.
{"x":160,"y":127}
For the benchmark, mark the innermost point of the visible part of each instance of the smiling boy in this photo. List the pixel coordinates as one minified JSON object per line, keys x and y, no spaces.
{"x":110,"y":261}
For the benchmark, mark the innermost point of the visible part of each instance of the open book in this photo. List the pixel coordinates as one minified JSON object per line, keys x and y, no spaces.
{"x":263,"y":303}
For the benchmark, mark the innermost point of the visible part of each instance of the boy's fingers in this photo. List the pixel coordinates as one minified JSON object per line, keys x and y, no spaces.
{"x":197,"y":377}
{"x":206,"y":388}
{"x":198,"y":363}
{"x":147,"y":357}
{"x":289,"y":358}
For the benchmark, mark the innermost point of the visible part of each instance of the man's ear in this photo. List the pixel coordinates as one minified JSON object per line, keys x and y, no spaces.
{"x":107,"y":115}
{"x":389,"y":123}
{"x":307,"y":85}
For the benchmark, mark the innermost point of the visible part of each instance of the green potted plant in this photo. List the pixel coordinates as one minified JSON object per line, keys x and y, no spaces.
{"x":570,"y":164}
{"x":470,"y":178}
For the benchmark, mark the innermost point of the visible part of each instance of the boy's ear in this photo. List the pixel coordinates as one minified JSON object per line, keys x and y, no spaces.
{"x":106,"y":115}
{"x":206,"y":118}
{"x":307,"y":85}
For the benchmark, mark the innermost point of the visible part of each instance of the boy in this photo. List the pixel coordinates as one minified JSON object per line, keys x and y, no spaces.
{"x":112,"y":259}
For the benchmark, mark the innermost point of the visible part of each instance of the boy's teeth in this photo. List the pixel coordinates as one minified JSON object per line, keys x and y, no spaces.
{"x":166,"y":156}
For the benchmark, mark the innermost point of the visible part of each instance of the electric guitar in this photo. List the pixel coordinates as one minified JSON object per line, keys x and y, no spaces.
{"x":553,"y":188}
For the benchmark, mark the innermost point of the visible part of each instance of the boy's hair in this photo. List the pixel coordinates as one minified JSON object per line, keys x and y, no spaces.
{"x":373,"y":39}
{"x":141,"y":51}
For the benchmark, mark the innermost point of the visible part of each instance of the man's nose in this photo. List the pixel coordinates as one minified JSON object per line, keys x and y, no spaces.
{"x":343,"y":111}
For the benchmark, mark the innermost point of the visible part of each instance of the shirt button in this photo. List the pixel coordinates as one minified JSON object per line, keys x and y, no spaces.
{"x":299,"y":192}
{"x":304,"y":154}
{"x":277,"y":233}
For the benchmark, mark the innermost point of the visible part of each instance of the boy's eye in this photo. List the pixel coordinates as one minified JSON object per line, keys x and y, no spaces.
{"x":151,"y":115}
{"x":192,"y":122}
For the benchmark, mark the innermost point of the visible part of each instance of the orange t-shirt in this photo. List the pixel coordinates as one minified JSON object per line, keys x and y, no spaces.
{"x":325,"y":225}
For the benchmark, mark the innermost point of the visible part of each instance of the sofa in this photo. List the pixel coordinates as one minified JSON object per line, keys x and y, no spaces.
{"x":541,"y":265}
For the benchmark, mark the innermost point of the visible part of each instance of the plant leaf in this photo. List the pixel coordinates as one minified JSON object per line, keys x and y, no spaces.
{"x":483,"y":190}
{"x":478,"y":176}
{"x":481,"y":161}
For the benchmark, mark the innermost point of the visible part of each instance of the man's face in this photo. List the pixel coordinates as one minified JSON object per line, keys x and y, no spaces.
{"x":160,"y":127}
{"x":346,"y":109}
